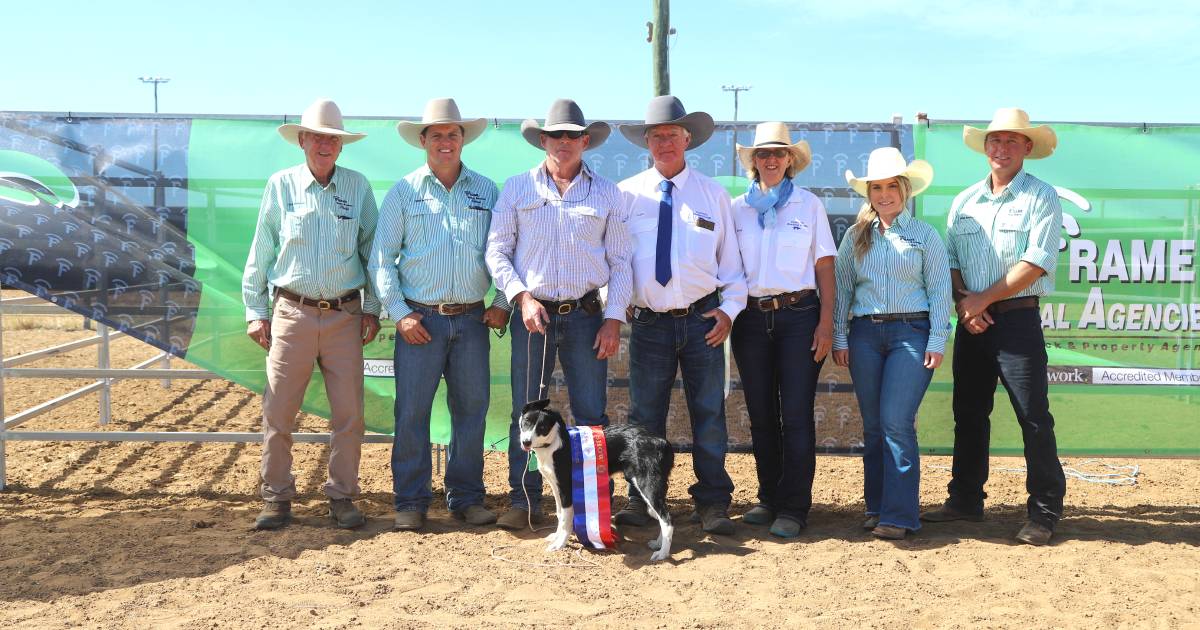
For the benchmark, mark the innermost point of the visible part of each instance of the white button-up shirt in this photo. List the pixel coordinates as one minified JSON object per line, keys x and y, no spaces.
{"x":704,"y":248}
{"x":782,"y":259}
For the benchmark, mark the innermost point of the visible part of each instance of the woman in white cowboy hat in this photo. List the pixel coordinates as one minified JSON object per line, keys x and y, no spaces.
{"x":890,"y":327}
{"x":781,"y":339}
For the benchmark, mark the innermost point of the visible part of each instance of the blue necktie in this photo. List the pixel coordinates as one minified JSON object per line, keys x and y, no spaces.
{"x":662,"y":250}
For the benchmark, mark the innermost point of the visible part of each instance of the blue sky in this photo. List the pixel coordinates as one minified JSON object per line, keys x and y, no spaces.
{"x":807,"y":60}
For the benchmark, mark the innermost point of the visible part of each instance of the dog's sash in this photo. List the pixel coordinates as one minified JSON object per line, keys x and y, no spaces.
{"x":589,"y":476}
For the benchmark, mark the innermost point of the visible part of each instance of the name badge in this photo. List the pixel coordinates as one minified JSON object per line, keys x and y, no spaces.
{"x":701,"y":222}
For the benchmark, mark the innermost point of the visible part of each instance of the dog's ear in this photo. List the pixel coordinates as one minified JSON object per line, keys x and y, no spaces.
{"x":536,"y":405}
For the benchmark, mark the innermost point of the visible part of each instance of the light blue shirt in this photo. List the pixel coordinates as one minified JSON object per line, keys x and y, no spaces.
{"x":904,"y":271}
{"x":311,"y":240}
{"x":430,"y":242}
{"x":986,"y":234}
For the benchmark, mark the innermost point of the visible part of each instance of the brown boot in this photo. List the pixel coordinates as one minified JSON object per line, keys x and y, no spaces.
{"x":518,"y":518}
{"x":345,"y":514}
{"x":1035,"y":534}
{"x":275,"y":514}
{"x":409,"y":520}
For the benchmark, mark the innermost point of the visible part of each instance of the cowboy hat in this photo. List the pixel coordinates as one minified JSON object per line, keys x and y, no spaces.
{"x":886,"y":163}
{"x":324,"y":117}
{"x":565,"y":115}
{"x":1013,"y":119}
{"x":667,"y":110}
{"x":770,"y":135}
{"x":440,"y":111}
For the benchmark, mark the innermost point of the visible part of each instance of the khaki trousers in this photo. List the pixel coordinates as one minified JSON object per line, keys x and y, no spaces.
{"x":302,"y":336}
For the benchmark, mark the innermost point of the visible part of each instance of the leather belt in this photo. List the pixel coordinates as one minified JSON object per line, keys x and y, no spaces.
{"x":590,"y":302}
{"x":896,"y":317}
{"x":776,"y":302}
{"x":1012,"y":304}
{"x":636,"y":311}
{"x":325,"y":305}
{"x":446,"y":309}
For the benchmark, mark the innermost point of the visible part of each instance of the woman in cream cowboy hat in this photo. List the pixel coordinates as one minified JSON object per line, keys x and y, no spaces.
{"x":781,"y":339}
{"x":890,"y":327}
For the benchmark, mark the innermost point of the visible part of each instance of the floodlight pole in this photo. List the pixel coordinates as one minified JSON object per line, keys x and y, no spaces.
{"x":155,"y":81}
{"x":659,"y":32}
{"x":735,"y":89}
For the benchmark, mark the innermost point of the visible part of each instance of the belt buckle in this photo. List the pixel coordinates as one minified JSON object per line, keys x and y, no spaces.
{"x":565,"y":308}
{"x":773,"y":301}
{"x":876,"y":319}
{"x":324,"y":305}
{"x":445,"y":309}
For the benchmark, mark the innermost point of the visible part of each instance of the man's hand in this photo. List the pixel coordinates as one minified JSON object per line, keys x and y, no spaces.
{"x":842,"y":358}
{"x":411,"y":330}
{"x":608,"y":339}
{"x":533,"y":313}
{"x":978,"y":325}
{"x":822,"y":340}
{"x":495,"y":318}
{"x":370,"y":327}
{"x":260,"y":331}
{"x":720,"y":330}
{"x":972,"y":305}
{"x":933,"y":360}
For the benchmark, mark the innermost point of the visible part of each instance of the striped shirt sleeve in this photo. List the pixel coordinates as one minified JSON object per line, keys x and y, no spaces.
{"x":502,"y":243}
{"x":618,"y":250}
{"x":1043,"y":233}
{"x":937,"y":291}
{"x":368,"y":220}
{"x":846,"y":275}
{"x":384,"y":265}
{"x":263,"y":249}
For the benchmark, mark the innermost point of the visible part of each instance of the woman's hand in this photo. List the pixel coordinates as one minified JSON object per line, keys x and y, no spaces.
{"x":933,"y":360}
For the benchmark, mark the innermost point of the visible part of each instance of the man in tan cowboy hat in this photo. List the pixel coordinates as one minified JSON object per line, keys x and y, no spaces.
{"x":1002,"y":240}
{"x":688,"y":286}
{"x":557,"y":237}
{"x":308,"y":259}
{"x":427,"y":265}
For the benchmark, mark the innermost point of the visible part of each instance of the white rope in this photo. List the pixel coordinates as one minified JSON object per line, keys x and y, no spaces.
{"x":1115,"y":475}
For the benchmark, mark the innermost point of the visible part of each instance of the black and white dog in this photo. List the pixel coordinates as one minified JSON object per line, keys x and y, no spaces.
{"x":644,"y":459}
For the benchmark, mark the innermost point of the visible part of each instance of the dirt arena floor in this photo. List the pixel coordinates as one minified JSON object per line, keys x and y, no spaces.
{"x":136,"y":535}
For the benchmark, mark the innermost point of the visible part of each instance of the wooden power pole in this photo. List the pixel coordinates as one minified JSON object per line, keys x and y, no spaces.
{"x":660,"y":31}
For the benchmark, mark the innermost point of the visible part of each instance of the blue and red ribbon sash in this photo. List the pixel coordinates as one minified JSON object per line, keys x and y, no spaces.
{"x":589,"y":475}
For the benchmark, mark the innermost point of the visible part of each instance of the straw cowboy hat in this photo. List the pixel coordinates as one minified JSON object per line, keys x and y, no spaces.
{"x":565,"y":115}
{"x":1013,"y":119}
{"x":440,"y":111}
{"x":886,"y":163}
{"x":769,"y":135}
{"x":323,"y":116}
{"x":667,"y":110}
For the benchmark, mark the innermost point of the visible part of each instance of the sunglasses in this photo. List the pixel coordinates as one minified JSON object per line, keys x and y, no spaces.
{"x":763,"y":154}
{"x":557,"y":135}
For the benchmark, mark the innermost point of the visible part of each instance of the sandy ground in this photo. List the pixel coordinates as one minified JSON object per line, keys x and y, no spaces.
{"x":115,"y":535}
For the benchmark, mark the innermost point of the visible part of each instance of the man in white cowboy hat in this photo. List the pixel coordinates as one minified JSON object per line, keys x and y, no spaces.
{"x":1002,"y":240}
{"x":558,"y":235}
{"x":427,"y":265}
{"x":308,"y":259}
{"x":688,"y":286}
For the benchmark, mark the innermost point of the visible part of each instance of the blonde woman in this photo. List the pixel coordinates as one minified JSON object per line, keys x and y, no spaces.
{"x":781,"y":339}
{"x":891,"y":322}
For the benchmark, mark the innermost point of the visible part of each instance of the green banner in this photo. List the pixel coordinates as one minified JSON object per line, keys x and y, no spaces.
{"x":1122,"y":327}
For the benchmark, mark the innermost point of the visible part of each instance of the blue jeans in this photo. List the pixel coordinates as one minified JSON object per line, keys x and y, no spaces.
{"x":570,"y":338}
{"x":1012,"y":350}
{"x":458,"y":349}
{"x":779,"y":379}
{"x":887,"y":363}
{"x":660,"y":346}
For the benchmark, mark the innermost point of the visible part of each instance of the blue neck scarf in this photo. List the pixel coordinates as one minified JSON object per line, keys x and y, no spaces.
{"x":769,"y":202}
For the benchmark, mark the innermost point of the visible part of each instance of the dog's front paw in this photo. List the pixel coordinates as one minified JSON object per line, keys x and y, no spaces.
{"x":557,"y":540}
{"x":660,"y":555}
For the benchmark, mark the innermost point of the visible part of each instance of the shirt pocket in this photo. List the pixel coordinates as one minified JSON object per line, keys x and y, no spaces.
{"x":645,"y":237}
{"x":792,"y":250}
{"x":346,"y":233}
{"x":587,"y":224}
{"x":297,"y":225}
{"x":1011,"y":235}
{"x":423,"y":228}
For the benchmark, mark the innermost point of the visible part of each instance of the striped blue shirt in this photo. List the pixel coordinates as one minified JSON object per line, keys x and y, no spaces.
{"x":311,"y":240}
{"x":986,"y":234}
{"x":559,"y":247}
{"x":904,"y":271}
{"x":430,"y":242}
